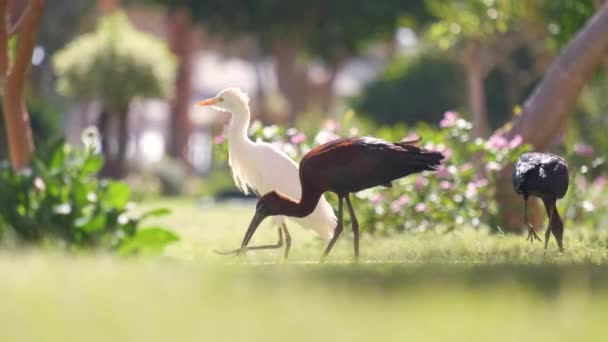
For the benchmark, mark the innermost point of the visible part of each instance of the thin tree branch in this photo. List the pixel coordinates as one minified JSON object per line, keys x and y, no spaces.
{"x":3,"y":38}
{"x":16,"y":26}
{"x":26,"y":42}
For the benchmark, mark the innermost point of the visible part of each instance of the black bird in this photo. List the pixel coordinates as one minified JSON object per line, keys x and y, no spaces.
{"x":545,"y":176}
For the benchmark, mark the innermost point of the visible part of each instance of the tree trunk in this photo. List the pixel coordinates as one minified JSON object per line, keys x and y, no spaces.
{"x":107,"y":6}
{"x":477,"y":101}
{"x":182,"y":44}
{"x":16,"y":117}
{"x":292,"y":80}
{"x":123,"y":142}
{"x":551,"y":103}
{"x":546,"y":111}
{"x":113,"y":127}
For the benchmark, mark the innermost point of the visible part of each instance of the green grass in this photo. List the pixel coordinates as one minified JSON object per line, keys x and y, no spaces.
{"x":461,"y":286}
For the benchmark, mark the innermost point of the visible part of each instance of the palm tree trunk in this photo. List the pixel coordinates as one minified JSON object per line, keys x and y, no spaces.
{"x":477,"y":101}
{"x":181,"y":41}
{"x":291,"y":79}
{"x":16,"y":117}
{"x":554,"y":99}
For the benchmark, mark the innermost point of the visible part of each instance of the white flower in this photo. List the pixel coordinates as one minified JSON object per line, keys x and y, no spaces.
{"x":62,"y":209}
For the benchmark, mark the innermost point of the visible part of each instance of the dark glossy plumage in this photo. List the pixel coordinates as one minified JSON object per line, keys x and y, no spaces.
{"x":354,"y":164}
{"x":541,"y":175}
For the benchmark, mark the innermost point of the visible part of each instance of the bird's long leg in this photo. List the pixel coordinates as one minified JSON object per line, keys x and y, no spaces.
{"x":549,"y":209}
{"x":279,"y":244}
{"x":355,"y":226}
{"x":337,"y":231}
{"x":287,"y":240}
{"x":531,"y":232}
{"x":557,"y":226}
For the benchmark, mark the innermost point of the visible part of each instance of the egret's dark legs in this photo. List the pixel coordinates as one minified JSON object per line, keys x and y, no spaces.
{"x":531,"y":232}
{"x":337,"y":231}
{"x":279,"y":244}
{"x":287,"y":240}
{"x":355,"y":226}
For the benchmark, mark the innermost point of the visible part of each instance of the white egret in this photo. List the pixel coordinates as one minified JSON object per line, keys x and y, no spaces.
{"x":262,"y":167}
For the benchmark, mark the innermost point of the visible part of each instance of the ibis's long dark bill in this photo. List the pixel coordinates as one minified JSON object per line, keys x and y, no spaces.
{"x":255,"y":223}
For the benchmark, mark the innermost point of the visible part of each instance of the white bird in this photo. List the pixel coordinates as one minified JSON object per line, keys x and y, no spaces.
{"x":262,"y":167}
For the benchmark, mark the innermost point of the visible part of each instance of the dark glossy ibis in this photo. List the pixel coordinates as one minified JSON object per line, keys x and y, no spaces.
{"x":545,"y":176}
{"x":344,"y":166}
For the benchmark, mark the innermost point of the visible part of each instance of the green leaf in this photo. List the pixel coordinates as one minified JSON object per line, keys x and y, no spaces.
{"x":148,"y":241}
{"x":91,"y":165}
{"x":117,"y":195}
{"x":155,"y":213}
{"x":92,"y":224}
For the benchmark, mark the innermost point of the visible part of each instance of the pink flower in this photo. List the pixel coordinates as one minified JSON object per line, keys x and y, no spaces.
{"x":332,"y":125}
{"x":498,"y":142}
{"x":583,"y":150}
{"x":481,"y":182}
{"x":516,"y":141}
{"x":421,"y":181}
{"x":298,"y":138}
{"x":449,"y":119}
{"x":447,"y":153}
{"x":471,"y":191}
{"x":420,"y":207}
{"x":377,"y":199}
{"x":219,"y":139}
{"x":599,"y":181}
{"x":324,"y":137}
{"x":445,"y":185}
{"x":399,"y":203}
{"x":443,"y":172}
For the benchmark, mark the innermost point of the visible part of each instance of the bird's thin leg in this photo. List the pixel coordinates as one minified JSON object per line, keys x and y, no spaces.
{"x":355,"y":226}
{"x":531,"y":232}
{"x":279,"y":244}
{"x":549,"y":209}
{"x":337,"y":231}
{"x":557,"y":226}
{"x":287,"y":240}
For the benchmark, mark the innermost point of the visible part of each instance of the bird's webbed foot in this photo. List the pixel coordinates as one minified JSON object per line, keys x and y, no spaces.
{"x":532,"y":235}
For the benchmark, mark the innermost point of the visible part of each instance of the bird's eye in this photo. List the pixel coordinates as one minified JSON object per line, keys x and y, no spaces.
{"x":220,"y":100}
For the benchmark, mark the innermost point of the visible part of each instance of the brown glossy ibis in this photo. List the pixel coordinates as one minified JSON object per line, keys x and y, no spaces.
{"x":545,"y":176}
{"x":344,"y":166}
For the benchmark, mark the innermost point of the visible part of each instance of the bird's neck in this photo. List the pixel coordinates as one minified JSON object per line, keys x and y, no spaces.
{"x":239,"y":124}
{"x":305,"y":207}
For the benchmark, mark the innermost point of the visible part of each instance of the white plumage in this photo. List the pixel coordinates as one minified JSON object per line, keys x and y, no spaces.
{"x":263,"y":167}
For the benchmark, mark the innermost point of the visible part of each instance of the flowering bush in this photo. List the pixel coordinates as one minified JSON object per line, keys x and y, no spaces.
{"x":587,"y":192}
{"x":459,"y":193}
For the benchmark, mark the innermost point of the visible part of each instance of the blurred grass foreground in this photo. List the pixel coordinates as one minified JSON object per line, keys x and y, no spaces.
{"x":460,"y":286}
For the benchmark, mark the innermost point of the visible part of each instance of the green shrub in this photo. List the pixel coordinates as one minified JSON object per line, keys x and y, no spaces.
{"x":60,"y":201}
{"x":413,"y":90}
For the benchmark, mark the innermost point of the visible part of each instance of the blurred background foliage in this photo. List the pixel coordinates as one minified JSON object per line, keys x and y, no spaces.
{"x":314,"y":70}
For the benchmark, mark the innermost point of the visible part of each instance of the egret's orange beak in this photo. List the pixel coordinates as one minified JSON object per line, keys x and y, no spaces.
{"x":209,"y":102}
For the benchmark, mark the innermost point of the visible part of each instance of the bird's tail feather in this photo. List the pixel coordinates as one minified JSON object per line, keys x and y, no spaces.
{"x":419,"y":158}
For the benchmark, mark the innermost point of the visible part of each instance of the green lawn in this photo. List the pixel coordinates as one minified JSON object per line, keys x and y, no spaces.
{"x":461,"y":286}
